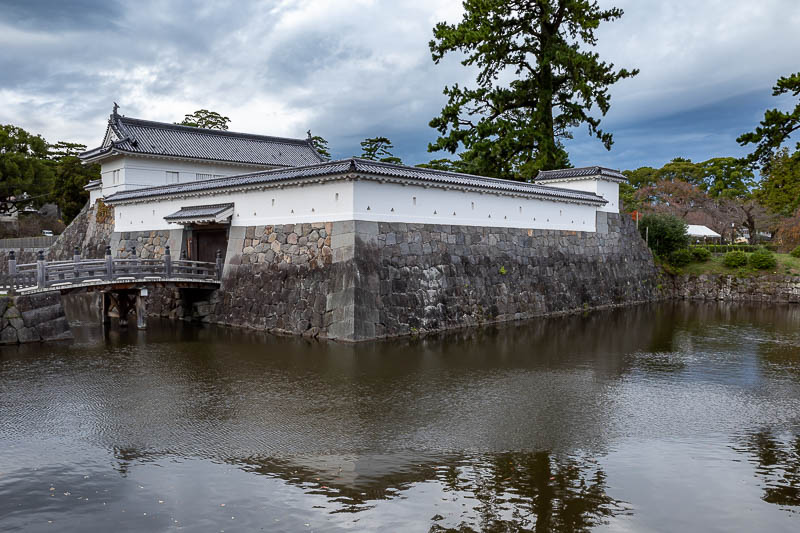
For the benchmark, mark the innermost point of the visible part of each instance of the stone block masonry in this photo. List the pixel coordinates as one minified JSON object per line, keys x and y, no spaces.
{"x":358,"y":280}
{"x":768,"y":288}
{"x":277,"y":278}
{"x":418,"y":278}
{"x":147,"y":244}
{"x":32,"y":318}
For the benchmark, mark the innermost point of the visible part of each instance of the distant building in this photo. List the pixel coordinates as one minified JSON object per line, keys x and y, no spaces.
{"x":702,"y":233}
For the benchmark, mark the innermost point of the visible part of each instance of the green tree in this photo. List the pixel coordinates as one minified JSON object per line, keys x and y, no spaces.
{"x":780,"y":188}
{"x":63,"y":149}
{"x":776,"y":127}
{"x":203,"y":118}
{"x":26,"y":176}
{"x":681,"y":169}
{"x":664,"y":233}
{"x":377,"y":149}
{"x":641,"y":176}
{"x":320,"y":145}
{"x":629,"y":202}
{"x":514,"y":130}
{"x":449,"y":165}
{"x":715,"y":193}
{"x":71,"y":176}
{"x":726,"y":177}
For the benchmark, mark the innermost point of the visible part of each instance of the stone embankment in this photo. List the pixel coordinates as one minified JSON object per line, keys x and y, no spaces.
{"x":90,"y":232}
{"x":359,"y":280}
{"x":32,"y":318}
{"x":770,"y":288}
{"x":40,"y":317}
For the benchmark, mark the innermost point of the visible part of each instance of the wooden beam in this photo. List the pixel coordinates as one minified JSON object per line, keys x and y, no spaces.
{"x":105,"y":307}
{"x":141,"y":310}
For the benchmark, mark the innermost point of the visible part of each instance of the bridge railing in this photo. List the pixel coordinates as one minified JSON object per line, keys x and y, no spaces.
{"x":45,"y":274}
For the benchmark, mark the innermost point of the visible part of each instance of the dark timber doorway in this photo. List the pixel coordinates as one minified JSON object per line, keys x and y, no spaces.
{"x":204,"y":241}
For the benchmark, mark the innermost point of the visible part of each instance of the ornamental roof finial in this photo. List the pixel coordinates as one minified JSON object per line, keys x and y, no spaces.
{"x":116,"y":108}
{"x":309,"y":135}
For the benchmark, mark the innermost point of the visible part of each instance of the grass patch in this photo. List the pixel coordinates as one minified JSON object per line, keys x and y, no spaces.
{"x":787,"y":265}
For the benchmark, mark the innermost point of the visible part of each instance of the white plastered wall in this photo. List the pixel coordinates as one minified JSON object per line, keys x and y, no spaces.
{"x":139,"y":172}
{"x":329,"y":202}
{"x":368,"y":200}
{"x":605,"y":188}
{"x":94,"y":195}
{"x":393,"y":202}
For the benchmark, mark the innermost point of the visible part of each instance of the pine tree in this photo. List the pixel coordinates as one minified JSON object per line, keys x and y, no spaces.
{"x":514,"y":130}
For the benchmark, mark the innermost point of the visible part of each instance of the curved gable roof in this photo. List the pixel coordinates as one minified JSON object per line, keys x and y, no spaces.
{"x":146,"y":137}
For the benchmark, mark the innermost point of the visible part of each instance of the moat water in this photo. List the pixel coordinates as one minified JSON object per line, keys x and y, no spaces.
{"x":670,"y":417}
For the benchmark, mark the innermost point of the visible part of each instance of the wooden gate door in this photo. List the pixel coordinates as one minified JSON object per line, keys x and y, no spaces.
{"x":208,"y":241}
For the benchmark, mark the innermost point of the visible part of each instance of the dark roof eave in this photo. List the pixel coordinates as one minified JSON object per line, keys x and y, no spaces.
{"x":108,"y":151}
{"x":353,"y":165}
{"x":581,"y":172}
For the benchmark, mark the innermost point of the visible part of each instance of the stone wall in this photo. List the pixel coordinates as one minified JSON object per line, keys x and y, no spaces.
{"x":277,"y":278}
{"x":32,"y":318}
{"x":147,"y":244}
{"x":358,"y":280}
{"x":90,"y":231}
{"x":418,"y":278}
{"x":767,"y":288}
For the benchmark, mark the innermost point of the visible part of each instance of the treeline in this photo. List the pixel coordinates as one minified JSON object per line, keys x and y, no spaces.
{"x":34,"y":172}
{"x":759,"y":192}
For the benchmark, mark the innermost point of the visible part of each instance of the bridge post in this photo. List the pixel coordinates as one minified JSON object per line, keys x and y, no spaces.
{"x":76,"y":258}
{"x":41,"y":270}
{"x":219,"y":264}
{"x":167,"y":263}
{"x":187,"y":271}
{"x":109,"y":264}
{"x":141,"y":309}
{"x":105,"y":306}
{"x":12,"y":272}
{"x":132,"y":270}
{"x":123,"y":307}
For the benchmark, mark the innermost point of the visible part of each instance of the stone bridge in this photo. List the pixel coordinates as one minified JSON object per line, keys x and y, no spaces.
{"x":123,"y":284}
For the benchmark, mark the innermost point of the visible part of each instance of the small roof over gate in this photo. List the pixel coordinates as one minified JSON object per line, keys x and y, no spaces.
{"x":201,"y":214}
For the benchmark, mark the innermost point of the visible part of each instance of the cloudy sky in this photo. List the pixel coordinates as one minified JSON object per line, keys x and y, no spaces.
{"x":350,"y":69}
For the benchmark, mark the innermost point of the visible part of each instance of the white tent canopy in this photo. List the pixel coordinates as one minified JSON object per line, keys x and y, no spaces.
{"x":702,"y":231}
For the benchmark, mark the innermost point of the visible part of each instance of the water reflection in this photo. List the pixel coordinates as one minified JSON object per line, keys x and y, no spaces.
{"x":532,"y":492}
{"x":777,"y":460}
{"x":553,"y":424}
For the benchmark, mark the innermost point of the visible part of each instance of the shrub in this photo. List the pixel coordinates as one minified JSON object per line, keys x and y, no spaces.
{"x":762,"y":259}
{"x":681,"y":257}
{"x":665,"y":233}
{"x":722,"y":248}
{"x":795,"y":252}
{"x":701,"y":255}
{"x":734,"y":259}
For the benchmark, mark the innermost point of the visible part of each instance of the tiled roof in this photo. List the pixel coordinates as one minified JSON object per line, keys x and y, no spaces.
{"x":199,"y":211}
{"x":93,"y":184}
{"x":366,"y":169}
{"x":146,"y":137}
{"x":579,"y":172}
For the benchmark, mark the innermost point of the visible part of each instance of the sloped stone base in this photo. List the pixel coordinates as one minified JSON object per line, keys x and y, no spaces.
{"x":359,"y":280}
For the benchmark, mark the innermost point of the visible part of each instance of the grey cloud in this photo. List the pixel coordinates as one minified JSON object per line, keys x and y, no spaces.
{"x":352,"y":70}
{"x":59,"y":15}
